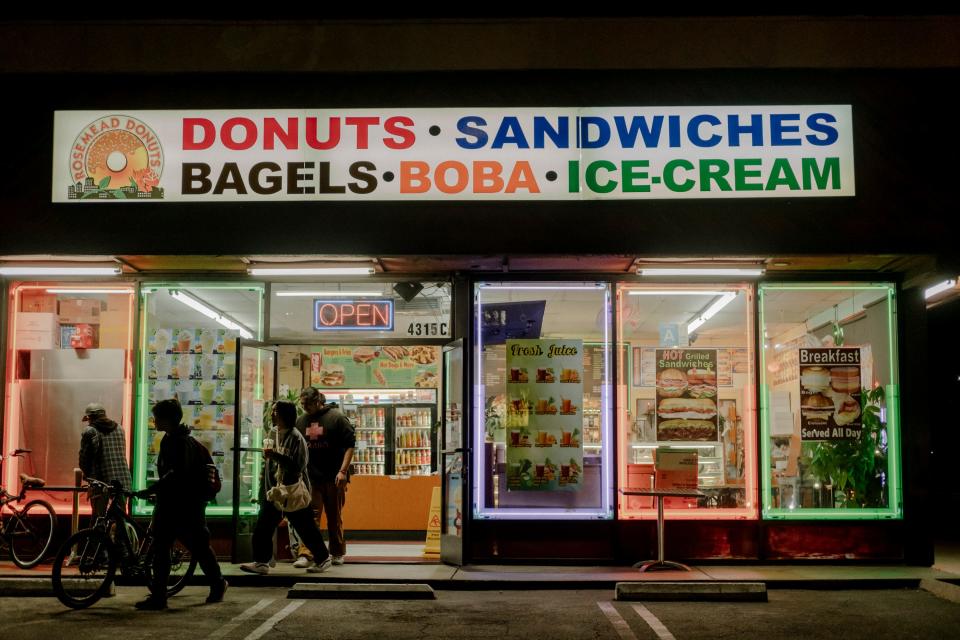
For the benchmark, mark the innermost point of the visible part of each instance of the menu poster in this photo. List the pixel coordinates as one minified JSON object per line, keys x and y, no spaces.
{"x":390,"y":367}
{"x":544,"y":390}
{"x":192,"y":340}
{"x":730,"y":361}
{"x":687,"y":395}
{"x":830,"y":384}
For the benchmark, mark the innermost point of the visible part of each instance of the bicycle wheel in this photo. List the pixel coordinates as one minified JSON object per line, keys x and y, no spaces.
{"x":84,"y":569}
{"x":182,"y":567}
{"x":31,"y":532}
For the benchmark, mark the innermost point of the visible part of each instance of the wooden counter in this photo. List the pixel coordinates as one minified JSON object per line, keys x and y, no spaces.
{"x":384,"y":503}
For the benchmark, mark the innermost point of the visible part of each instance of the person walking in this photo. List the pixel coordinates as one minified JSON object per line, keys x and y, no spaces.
{"x":179,"y":513}
{"x":330,"y":442}
{"x":287,"y":460}
{"x":103,"y":455}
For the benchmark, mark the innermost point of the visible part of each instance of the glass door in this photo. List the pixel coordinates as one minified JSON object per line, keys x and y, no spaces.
{"x":256,"y":392}
{"x":453,"y":456}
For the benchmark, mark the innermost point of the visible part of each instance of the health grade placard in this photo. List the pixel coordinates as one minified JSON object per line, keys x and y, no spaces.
{"x":544,"y":415}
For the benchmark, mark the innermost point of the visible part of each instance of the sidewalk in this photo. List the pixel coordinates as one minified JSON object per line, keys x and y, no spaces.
{"x":486,"y":577}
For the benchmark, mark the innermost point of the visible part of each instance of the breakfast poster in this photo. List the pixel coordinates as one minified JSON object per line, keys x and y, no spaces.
{"x":363,"y":367}
{"x":830,"y":384}
{"x":544,"y":415}
{"x":687,"y":395}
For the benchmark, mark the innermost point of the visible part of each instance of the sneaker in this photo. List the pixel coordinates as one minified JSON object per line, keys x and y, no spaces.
{"x":260,"y":568}
{"x":321,"y":567}
{"x":338,"y":560}
{"x":151,"y":604}
{"x":301,"y":563}
{"x":217,"y":591}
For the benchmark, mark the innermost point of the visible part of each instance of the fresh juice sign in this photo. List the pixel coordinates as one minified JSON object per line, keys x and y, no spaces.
{"x":454,"y":154}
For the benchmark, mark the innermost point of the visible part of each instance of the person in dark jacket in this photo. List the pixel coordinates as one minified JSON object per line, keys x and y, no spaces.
{"x":330,"y":441}
{"x":288,"y":455}
{"x":179,"y":512}
{"x":103,"y":454}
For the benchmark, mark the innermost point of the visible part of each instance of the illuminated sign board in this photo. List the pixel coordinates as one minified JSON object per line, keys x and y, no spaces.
{"x":353,"y":315}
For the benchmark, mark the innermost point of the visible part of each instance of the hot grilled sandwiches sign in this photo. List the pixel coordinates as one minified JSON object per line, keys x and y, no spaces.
{"x":453,"y":154}
{"x":687,"y":395}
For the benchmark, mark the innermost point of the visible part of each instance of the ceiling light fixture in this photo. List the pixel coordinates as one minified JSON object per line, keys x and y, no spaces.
{"x":89,"y":291}
{"x":679,"y":271}
{"x":311,"y":271}
{"x":328,"y":294}
{"x":678,"y":292}
{"x":59,"y":271}
{"x":211,"y":313}
{"x":946,"y":285}
{"x":711,"y":311}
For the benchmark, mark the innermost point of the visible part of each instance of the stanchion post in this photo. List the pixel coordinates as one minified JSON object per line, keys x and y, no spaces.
{"x":75,"y":517}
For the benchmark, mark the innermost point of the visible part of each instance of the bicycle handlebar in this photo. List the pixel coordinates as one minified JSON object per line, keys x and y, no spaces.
{"x":113,"y":488}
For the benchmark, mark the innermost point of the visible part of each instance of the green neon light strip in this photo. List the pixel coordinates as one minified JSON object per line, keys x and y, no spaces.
{"x":141,"y":401}
{"x":894,"y":490}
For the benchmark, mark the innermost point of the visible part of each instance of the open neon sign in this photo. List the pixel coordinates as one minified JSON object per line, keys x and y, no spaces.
{"x":353,"y":315}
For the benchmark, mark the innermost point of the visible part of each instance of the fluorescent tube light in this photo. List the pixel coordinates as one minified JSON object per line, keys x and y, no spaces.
{"x":745,"y":273}
{"x":89,"y":290}
{"x":211,"y":313}
{"x":711,"y":311}
{"x":679,"y":292}
{"x":328,"y":294}
{"x":541,"y":287}
{"x":59,"y":271}
{"x":946,"y":285}
{"x":311,"y":271}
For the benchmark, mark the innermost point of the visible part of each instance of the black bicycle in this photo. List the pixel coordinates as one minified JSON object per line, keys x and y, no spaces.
{"x":28,"y":531}
{"x":87,"y":563}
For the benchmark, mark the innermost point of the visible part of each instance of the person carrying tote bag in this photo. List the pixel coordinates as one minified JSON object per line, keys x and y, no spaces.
{"x":284,"y":480}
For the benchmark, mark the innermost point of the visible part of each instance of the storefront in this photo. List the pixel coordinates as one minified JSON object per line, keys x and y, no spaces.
{"x":508,"y":343}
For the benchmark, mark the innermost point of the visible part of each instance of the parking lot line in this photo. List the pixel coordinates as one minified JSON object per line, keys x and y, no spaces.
{"x":272,"y":622}
{"x":658,"y":627}
{"x":237,"y":620}
{"x":619,"y":624}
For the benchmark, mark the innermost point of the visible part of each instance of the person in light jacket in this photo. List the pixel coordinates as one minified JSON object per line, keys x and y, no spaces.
{"x":289,"y":456}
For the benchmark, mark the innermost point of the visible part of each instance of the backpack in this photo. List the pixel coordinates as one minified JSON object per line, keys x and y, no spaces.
{"x":207,"y":474}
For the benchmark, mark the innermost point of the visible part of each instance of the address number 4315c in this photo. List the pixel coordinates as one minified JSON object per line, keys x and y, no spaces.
{"x":427,"y":329}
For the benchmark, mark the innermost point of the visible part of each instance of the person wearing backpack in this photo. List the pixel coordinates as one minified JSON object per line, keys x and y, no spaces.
{"x":182,"y":493}
{"x":285,"y":467}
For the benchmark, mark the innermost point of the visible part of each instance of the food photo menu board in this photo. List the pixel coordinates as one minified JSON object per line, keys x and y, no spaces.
{"x":544,"y":416}
{"x":830,"y":387}
{"x":390,"y":367}
{"x":686,"y":397}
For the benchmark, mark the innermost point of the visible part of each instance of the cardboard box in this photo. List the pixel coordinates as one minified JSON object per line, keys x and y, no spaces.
{"x":79,"y":310}
{"x":640,"y":476}
{"x":36,"y":339}
{"x":28,"y":321}
{"x":114,"y":328}
{"x":38,"y":302}
{"x":677,"y":470}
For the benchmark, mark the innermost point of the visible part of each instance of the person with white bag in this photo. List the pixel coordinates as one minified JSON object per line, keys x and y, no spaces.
{"x":285,"y":492}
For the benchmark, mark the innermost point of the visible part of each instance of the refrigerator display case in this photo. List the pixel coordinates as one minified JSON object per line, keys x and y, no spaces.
{"x":396,"y":430}
{"x":189,"y":352}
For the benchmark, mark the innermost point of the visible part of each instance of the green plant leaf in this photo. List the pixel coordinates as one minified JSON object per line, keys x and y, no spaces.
{"x":133,"y":183}
{"x":120,"y":195}
{"x":103,"y":183}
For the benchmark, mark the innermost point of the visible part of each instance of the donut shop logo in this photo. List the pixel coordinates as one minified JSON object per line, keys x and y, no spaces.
{"x":116,"y":157}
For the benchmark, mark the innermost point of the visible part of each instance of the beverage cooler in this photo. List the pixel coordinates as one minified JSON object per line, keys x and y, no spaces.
{"x":396,"y":430}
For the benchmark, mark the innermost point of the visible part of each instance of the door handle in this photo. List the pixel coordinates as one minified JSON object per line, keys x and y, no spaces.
{"x":448,"y":452}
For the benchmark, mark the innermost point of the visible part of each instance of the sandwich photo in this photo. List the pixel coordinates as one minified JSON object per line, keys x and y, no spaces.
{"x":702,"y":383}
{"x":848,"y":410}
{"x":363,"y":355}
{"x":671,"y":383}
{"x":845,"y":379}
{"x":814,"y":378}
{"x":331,"y":375}
{"x":686,"y":429}
{"x":816,"y":406}
{"x":692,"y":408}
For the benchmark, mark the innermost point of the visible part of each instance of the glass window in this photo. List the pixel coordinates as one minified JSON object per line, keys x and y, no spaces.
{"x":188,"y":351}
{"x":360,"y":310}
{"x":830,"y":436}
{"x":69,"y":345}
{"x":686,"y":399}
{"x":542,"y":401}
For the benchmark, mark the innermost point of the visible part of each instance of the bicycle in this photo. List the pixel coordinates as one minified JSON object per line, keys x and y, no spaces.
{"x":28,"y":531}
{"x":86,"y":565}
